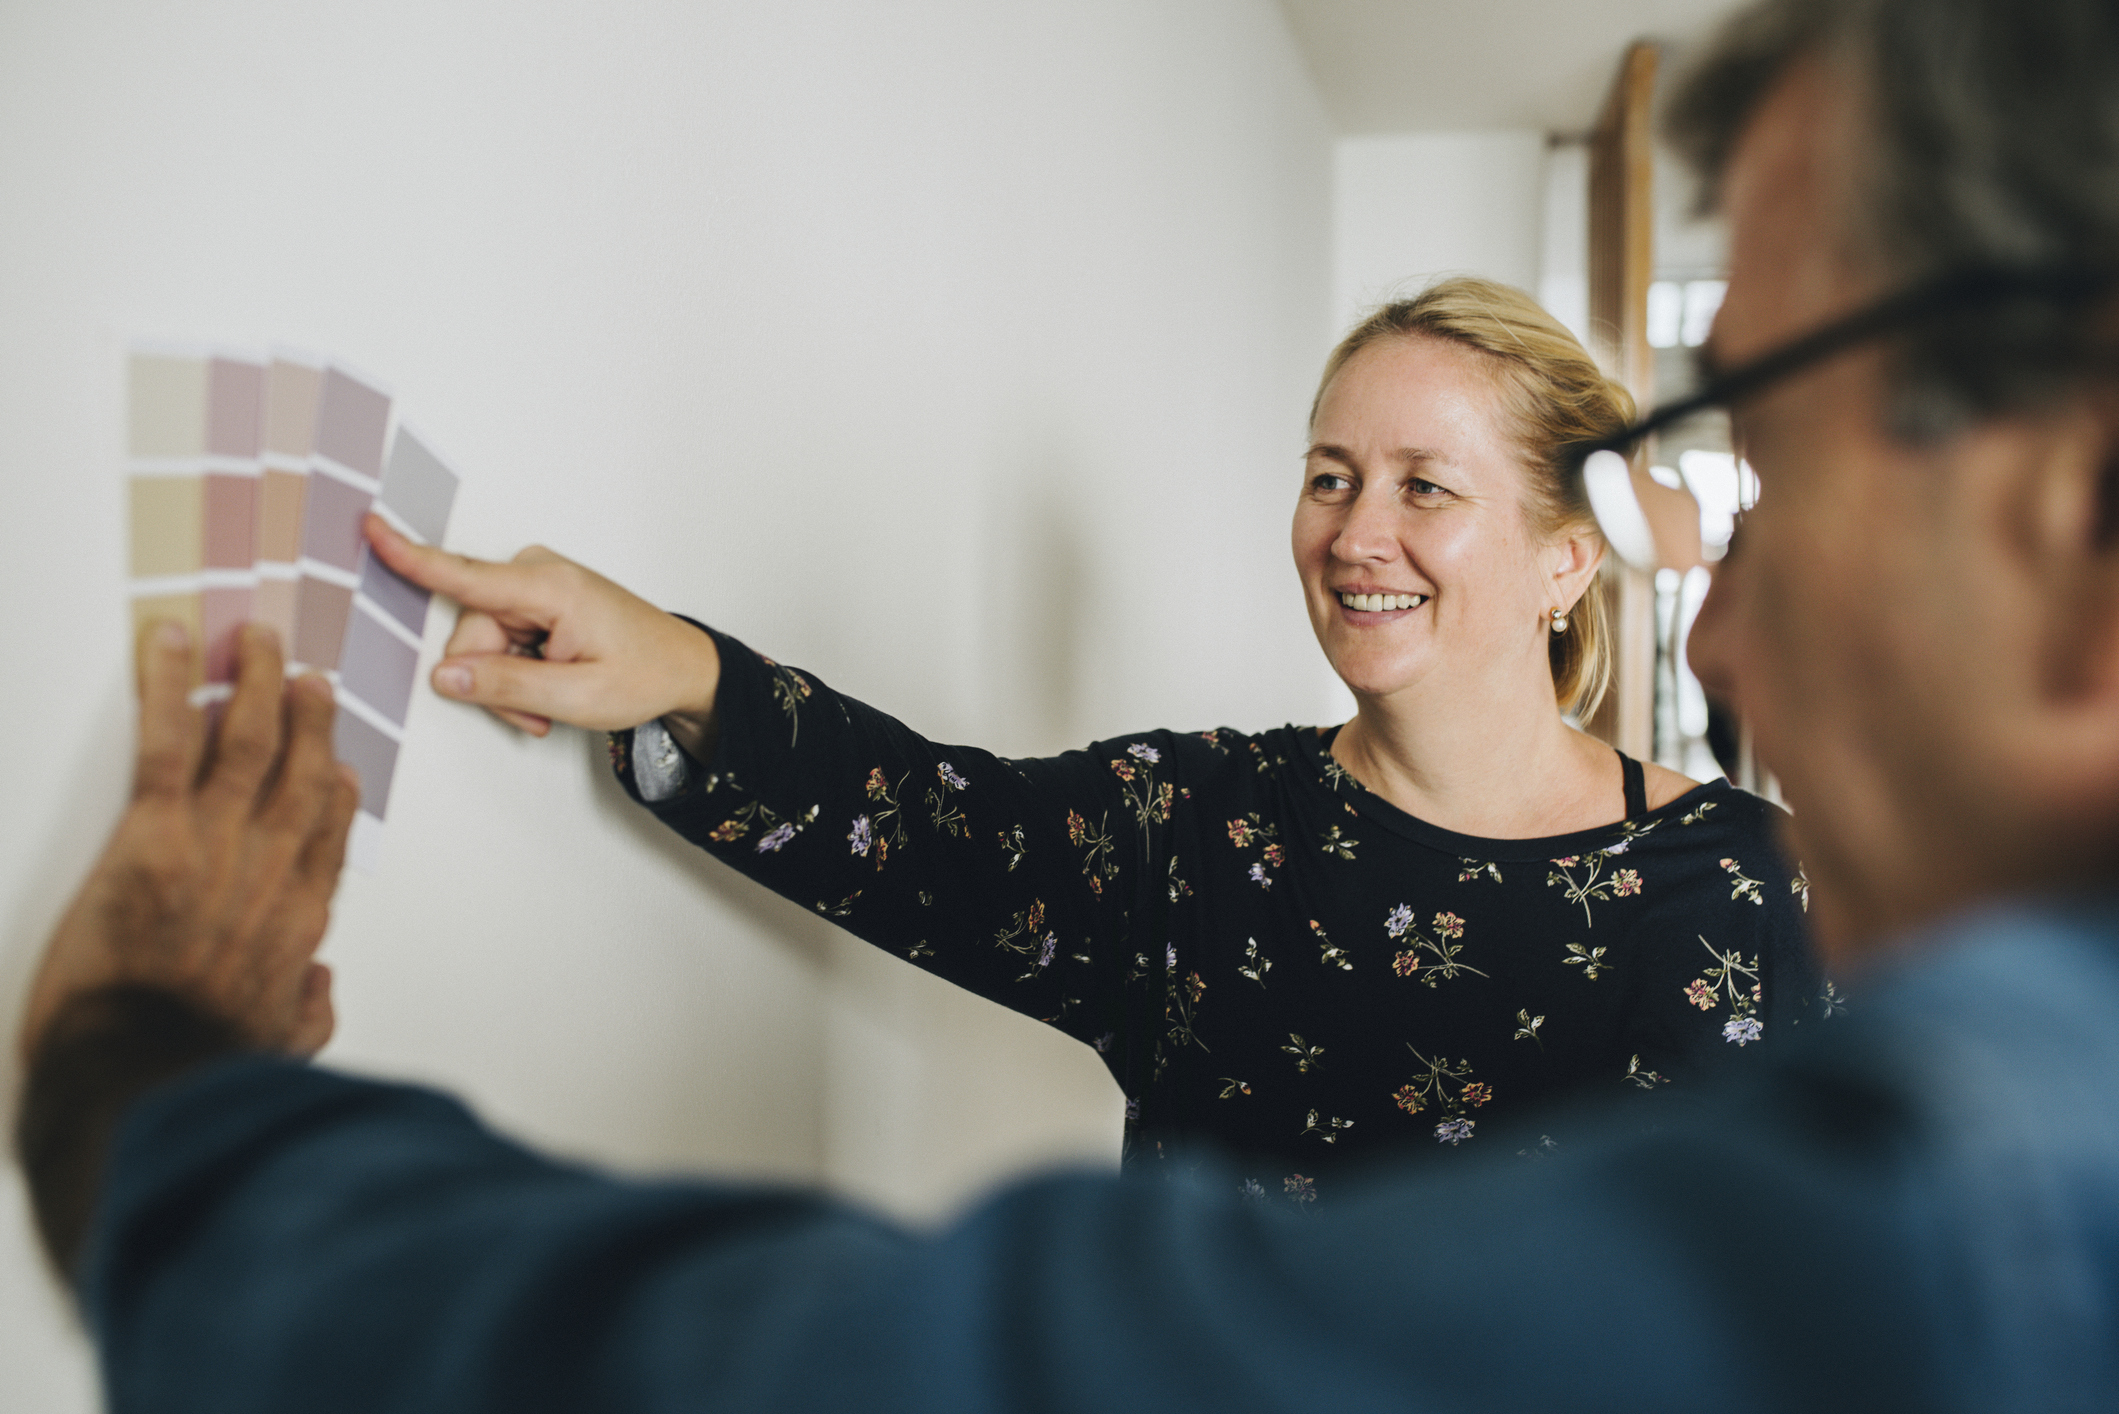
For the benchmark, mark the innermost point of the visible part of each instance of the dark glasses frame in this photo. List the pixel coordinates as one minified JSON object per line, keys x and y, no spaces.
{"x":1603,"y":464}
{"x":1894,"y":313}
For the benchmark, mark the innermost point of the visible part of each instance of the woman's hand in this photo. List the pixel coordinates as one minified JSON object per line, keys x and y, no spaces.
{"x":545,"y":640}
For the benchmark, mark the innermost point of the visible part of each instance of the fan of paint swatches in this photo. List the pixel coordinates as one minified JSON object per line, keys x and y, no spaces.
{"x":248,"y":482}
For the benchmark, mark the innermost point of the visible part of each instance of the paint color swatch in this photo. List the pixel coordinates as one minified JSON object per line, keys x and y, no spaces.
{"x":378,"y":663}
{"x":352,"y":422}
{"x":293,"y":385}
{"x":248,"y":480}
{"x":165,"y":448}
{"x":235,"y":406}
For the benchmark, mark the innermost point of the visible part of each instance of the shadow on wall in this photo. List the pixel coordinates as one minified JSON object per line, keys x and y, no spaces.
{"x":1036,"y":653}
{"x":100,"y":781}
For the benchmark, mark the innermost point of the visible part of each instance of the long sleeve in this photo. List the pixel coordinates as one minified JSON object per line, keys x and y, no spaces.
{"x":1906,"y":1211}
{"x":279,"y":1237}
{"x":1035,"y":884}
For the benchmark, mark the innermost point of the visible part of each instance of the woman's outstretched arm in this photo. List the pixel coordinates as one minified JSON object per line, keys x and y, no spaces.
{"x":1026,"y":882}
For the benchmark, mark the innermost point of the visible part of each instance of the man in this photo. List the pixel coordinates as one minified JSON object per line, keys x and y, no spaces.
{"x":1917,"y":1206}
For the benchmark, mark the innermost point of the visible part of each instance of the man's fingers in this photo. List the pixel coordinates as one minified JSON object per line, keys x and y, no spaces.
{"x":243,"y":751}
{"x":171,"y":730}
{"x":315,"y":1017}
{"x":517,"y":590}
{"x":324,"y":854}
{"x":308,"y":768}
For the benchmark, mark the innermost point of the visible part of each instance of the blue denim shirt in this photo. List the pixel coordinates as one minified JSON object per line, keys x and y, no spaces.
{"x":1914,"y":1207}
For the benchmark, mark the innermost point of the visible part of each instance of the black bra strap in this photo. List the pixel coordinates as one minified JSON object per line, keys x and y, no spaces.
{"x":1636,"y":787}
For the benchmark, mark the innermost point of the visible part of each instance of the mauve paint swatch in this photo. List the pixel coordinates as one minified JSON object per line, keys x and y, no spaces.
{"x":331,"y":522}
{"x":377,"y":667}
{"x":372,"y":755}
{"x":351,"y":421}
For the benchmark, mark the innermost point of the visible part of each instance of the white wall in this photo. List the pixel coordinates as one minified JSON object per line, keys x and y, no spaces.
{"x":955,"y":351}
{"x":1410,"y":207}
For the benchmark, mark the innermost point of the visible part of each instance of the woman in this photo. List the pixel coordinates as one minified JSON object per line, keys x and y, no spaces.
{"x":1308,"y":946}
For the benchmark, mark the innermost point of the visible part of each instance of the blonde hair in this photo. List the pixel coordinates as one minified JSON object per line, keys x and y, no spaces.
{"x":1553,"y":397}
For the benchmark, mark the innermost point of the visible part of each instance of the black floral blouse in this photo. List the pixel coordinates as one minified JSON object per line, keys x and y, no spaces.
{"x":1269,"y":958}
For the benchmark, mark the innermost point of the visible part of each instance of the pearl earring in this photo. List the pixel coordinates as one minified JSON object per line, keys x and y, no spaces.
{"x":1559,"y":621}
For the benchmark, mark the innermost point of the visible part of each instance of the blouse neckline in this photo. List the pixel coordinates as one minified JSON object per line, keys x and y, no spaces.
{"x":1315,"y":744}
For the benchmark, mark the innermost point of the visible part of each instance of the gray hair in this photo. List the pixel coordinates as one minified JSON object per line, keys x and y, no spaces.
{"x":1993,"y":142}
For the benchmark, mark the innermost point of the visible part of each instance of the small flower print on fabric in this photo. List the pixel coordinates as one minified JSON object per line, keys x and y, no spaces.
{"x":1742,"y":885}
{"x":777,"y":837}
{"x":1330,"y":953}
{"x":1700,"y":994}
{"x":1454,"y":1131}
{"x":1398,"y":920}
{"x":1743,"y":1030}
{"x":863,"y":836}
{"x":950,"y":778}
{"x":1408,"y":1099}
{"x":1306,"y":1055}
{"x":1141,"y":751}
{"x":1592,"y":884}
{"x":1300,"y":1189}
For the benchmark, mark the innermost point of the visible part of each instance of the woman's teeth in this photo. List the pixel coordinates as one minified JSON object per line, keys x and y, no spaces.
{"x":1376,"y":603}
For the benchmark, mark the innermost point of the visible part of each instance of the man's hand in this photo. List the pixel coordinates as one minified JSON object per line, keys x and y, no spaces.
{"x":217,"y":883}
{"x":545,"y":640}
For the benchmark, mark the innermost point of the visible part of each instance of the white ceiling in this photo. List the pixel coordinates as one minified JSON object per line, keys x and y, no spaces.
{"x":1426,"y":65}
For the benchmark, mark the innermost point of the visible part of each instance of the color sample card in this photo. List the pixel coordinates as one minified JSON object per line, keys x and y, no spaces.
{"x":165,"y":449}
{"x":248,"y":479}
{"x":293,"y":386}
{"x":235,"y":407}
{"x":352,"y":422}
{"x":378,"y":662}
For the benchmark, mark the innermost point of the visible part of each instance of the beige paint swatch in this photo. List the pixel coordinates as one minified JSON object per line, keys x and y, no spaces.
{"x":166,"y":500}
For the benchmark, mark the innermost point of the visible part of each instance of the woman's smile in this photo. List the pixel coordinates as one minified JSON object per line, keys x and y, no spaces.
{"x":1364,"y":607}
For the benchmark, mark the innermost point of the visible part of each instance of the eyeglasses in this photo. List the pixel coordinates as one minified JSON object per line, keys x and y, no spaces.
{"x":1607,"y":477}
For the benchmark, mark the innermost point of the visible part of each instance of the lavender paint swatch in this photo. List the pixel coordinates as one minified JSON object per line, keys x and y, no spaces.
{"x":377,"y":666}
{"x":373,"y":757}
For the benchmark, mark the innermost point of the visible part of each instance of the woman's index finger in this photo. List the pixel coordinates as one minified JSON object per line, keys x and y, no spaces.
{"x":475,"y":584}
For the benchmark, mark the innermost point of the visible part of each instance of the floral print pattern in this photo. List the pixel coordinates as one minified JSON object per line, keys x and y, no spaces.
{"x":1054,"y":887}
